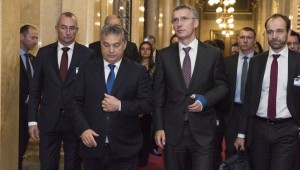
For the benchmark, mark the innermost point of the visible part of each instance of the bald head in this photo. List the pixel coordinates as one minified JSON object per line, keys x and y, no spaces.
{"x":112,"y":20}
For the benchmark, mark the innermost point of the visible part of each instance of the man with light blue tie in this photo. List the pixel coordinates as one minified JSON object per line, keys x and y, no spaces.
{"x":237,"y":69}
{"x":109,"y":95}
{"x":28,"y":40}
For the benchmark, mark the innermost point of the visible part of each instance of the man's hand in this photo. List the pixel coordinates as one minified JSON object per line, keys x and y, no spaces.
{"x":110,"y":103}
{"x":160,"y":138}
{"x":34,"y":132}
{"x":239,"y":144}
{"x":88,"y":139}
{"x":196,"y":106}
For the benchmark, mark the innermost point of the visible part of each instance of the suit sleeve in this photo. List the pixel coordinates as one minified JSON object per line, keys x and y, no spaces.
{"x":76,"y":108}
{"x":159,"y":94}
{"x":35,"y":89}
{"x":143,"y":103}
{"x":220,"y":87}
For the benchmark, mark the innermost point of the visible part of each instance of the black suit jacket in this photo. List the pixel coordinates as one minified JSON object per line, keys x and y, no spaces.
{"x":48,"y":95}
{"x":172,"y":96}
{"x":24,"y":85}
{"x":254,"y":86}
{"x":130,"y":52}
{"x":132,"y":87}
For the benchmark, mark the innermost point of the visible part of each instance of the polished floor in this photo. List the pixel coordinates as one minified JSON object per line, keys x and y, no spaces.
{"x":31,"y":160}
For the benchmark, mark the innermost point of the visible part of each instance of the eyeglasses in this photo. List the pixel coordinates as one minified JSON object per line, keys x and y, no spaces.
{"x":181,"y":19}
{"x":65,"y":28}
{"x":293,"y":43}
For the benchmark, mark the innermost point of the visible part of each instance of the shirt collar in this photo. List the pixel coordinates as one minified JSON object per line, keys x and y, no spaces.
{"x":117,"y":64}
{"x":193,"y":45}
{"x":22,"y":52}
{"x":284,"y":52}
{"x":250,"y":55}
{"x":60,"y":46}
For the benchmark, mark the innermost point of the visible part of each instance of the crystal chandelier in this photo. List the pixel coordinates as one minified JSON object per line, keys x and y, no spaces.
{"x":224,"y":15}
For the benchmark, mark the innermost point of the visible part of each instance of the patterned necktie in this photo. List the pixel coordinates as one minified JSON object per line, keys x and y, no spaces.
{"x":28,"y":67}
{"x":186,"y":67}
{"x":273,"y":88}
{"x":243,"y":78}
{"x":111,"y":78}
{"x":63,"y":69}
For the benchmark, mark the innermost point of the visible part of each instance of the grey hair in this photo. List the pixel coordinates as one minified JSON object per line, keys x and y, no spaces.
{"x":191,"y":8}
{"x":114,"y":30}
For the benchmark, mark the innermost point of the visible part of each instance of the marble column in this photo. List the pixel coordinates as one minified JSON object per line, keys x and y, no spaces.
{"x":167,"y":25}
{"x":9,"y":86}
{"x":151,"y":17}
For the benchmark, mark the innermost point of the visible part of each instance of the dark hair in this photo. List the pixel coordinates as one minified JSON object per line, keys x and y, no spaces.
{"x":220,"y":44}
{"x":114,"y":30}
{"x":259,"y":47}
{"x":285,"y":18}
{"x":249,"y":29}
{"x":210,"y":42}
{"x":235,"y":44}
{"x":151,"y":62}
{"x":24,"y":29}
{"x":171,"y":39}
{"x":293,"y":33}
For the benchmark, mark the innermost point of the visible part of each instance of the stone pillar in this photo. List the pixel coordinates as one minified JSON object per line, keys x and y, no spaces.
{"x":9,"y":86}
{"x":167,"y":25}
{"x":151,"y":17}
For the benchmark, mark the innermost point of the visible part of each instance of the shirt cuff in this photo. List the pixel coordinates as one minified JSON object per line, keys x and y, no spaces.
{"x":32,"y":123}
{"x":241,"y":136}
{"x":120,"y":107}
{"x":201,"y":99}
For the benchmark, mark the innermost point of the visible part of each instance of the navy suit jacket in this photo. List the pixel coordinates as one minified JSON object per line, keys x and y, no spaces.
{"x":132,"y":87}
{"x":48,"y":95}
{"x":172,"y":95}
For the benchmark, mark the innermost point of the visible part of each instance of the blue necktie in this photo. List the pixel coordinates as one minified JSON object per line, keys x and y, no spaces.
{"x":111,"y":78}
{"x":244,"y":78}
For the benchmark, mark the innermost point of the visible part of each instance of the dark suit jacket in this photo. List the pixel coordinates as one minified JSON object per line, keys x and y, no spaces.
{"x":172,"y":96}
{"x":254,"y":85}
{"x":132,"y":87}
{"x":48,"y":95}
{"x":130,"y":52}
{"x":24,"y":85}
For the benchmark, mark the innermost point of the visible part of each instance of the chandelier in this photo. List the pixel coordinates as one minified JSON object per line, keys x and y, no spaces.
{"x":224,"y":15}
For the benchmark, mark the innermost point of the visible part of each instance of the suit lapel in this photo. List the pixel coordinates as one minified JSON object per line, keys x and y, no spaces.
{"x":54,"y":62}
{"x":292,"y":66}
{"x":121,"y":76}
{"x":234,"y":73}
{"x":74,"y":62}
{"x":98,"y":70}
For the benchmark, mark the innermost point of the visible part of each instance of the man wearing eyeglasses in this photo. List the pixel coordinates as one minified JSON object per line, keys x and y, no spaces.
{"x":55,"y":70}
{"x":237,"y":68}
{"x":294,"y":41}
{"x":189,"y":81}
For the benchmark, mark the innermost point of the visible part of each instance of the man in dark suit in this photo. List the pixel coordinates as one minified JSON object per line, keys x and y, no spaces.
{"x":189,"y":81}
{"x":56,"y":66}
{"x":236,"y":69}
{"x":28,"y":40}
{"x":131,"y":50}
{"x":271,"y":109}
{"x":109,"y":94}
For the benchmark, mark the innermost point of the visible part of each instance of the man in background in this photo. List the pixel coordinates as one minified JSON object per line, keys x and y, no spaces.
{"x":237,"y":69}
{"x":28,"y":40}
{"x":294,"y":41}
{"x":131,"y":50}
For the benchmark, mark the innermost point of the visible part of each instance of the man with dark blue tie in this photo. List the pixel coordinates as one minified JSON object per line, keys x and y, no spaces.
{"x":109,"y":95}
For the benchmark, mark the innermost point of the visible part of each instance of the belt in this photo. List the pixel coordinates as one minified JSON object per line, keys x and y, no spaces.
{"x":275,"y":121}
